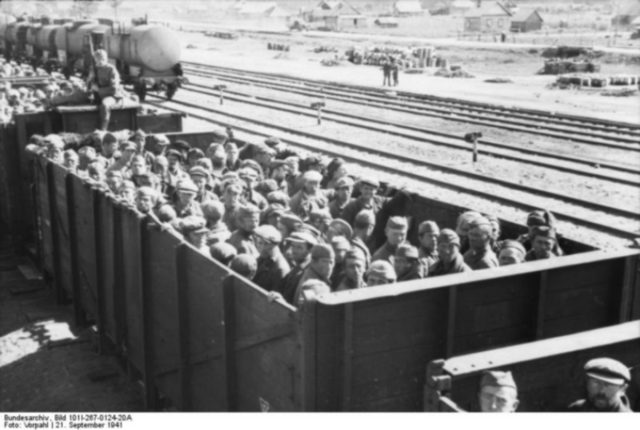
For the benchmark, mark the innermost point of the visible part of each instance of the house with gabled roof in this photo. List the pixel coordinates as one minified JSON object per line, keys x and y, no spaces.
{"x":489,"y":17}
{"x":525,"y":20}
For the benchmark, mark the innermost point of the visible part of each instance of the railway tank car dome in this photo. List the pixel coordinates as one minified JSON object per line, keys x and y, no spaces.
{"x":156,"y":48}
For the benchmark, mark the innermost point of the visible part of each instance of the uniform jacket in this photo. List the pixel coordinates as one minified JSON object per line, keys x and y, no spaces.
{"x":456,"y":266}
{"x":385,"y":252}
{"x":107,"y":78}
{"x":478,"y":260}
{"x":427,"y":259}
{"x":303,"y":204}
{"x":355,"y":206}
{"x":290,"y":282}
{"x":336,"y":209}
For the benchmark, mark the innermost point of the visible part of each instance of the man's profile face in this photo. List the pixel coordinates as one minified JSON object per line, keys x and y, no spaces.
{"x":498,"y":399}
{"x":603,"y":394}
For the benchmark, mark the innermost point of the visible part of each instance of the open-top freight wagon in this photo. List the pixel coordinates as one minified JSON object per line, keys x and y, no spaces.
{"x":202,"y":338}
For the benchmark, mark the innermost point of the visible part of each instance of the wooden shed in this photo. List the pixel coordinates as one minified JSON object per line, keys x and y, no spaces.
{"x":407,"y":8}
{"x":490,"y":17}
{"x":526,"y":20}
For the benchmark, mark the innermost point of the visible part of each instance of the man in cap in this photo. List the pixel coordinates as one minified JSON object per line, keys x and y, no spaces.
{"x":463,"y":225}
{"x":218,"y":157}
{"x":320,"y":219}
{"x":354,"y":270}
{"x":175,"y":172}
{"x":233,"y":161}
{"x":127,"y":151}
{"x":159,"y":144}
{"x":71,"y":160}
{"x":201,"y":177}
{"x":407,"y":263}
{"x":244,"y":265}
{"x":252,"y":177}
{"x":213,"y":212}
{"x":606,"y":383}
{"x":480,"y":255}
{"x":320,"y":267}
{"x":428,"y":233}
{"x":342,"y":197}
{"x":543,"y":240}
{"x":511,"y":252}
{"x":185,"y":203}
{"x":341,"y":245}
{"x":288,"y":223}
{"x":193,"y":155}
{"x":498,"y":392}
{"x":232,"y":199}
{"x":272,"y":266}
{"x":195,"y":232}
{"x":299,"y":252}
{"x":263,"y":156}
{"x":380,"y":273}
{"x":55,"y":148}
{"x":310,"y":197}
{"x":363,"y":226}
{"x":114,"y":181}
{"x":367,"y":200}
{"x":539,"y":218}
{"x":339,"y":227}
{"x":449,"y":258}
{"x":279,"y":172}
{"x":103,"y":83}
{"x":273,"y":214}
{"x":396,"y":233}
{"x":248,"y":219}
{"x":223,"y":252}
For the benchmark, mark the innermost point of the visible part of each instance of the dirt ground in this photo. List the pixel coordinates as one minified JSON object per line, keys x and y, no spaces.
{"x":46,"y":363}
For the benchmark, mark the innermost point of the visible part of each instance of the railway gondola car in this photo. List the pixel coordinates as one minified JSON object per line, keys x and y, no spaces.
{"x":147,"y":56}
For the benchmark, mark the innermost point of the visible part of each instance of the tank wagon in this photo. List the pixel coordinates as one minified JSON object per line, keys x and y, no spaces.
{"x":147,"y":56}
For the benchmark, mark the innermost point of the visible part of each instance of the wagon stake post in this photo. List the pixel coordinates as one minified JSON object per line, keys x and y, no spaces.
{"x":318,"y":107}
{"x":220,"y":89}
{"x":473,"y":138}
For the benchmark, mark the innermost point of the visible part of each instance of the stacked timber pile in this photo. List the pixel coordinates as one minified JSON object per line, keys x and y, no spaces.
{"x":221,"y":34}
{"x":278,"y":47}
{"x":596,"y":81}
{"x":407,"y":58}
{"x":569,"y":59}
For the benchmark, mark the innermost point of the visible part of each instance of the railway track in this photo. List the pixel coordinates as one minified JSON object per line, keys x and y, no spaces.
{"x":619,"y":222}
{"x":616,"y":173}
{"x":567,"y":127}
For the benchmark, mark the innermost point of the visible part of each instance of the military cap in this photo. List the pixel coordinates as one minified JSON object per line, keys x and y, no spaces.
{"x":274,"y":209}
{"x":244,"y":264}
{"x":195,"y":152}
{"x":340,"y":243}
{"x":252,"y":164}
{"x":449,"y":236}
{"x":223,"y":252}
{"x":212,"y":210}
{"x":160,"y":139}
{"x":355,"y":254}
{"x":497,"y":378}
{"x":128,"y":146}
{"x":186,"y":186}
{"x":428,"y":227}
{"x":342,"y":227}
{"x":407,"y":251}
{"x":543,"y":231}
{"x":272,"y":141}
{"x":198,"y":171}
{"x":143,"y":191}
{"x":175,"y":153}
{"x":219,"y":134}
{"x":311,"y":175}
{"x":291,"y":221}
{"x":279,"y":197}
{"x":465,"y":219}
{"x":267,"y":186}
{"x":369,"y":180}
{"x":322,"y":250}
{"x":181,"y":145}
{"x":247,"y":210}
{"x":608,"y":370}
{"x":397,"y":222}
{"x":193,"y":224}
{"x":515,"y":245}
{"x":302,"y":237}
{"x":364,"y":219}
{"x":481,"y":223}
{"x":536,"y":218}
{"x":268,"y":233}
{"x":343,"y":181}
{"x":318,"y":214}
{"x":204,"y":163}
{"x":383,"y":269}
{"x":312,"y":230}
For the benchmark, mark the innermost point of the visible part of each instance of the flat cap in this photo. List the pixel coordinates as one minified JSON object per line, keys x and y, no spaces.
{"x":181,"y":145}
{"x":318,"y":214}
{"x":340,"y":243}
{"x":268,"y":233}
{"x":311,"y":230}
{"x":198,"y":171}
{"x":397,"y":223}
{"x":302,"y":237}
{"x":272,"y":141}
{"x":543,"y":231}
{"x":109,"y":137}
{"x":279,"y":197}
{"x":465,"y":219}
{"x":263,"y":149}
{"x":186,"y":186}
{"x":160,"y":139}
{"x":481,"y":223}
{"x":128,"y":146}
{"x":364,"y":218}
{"x":322,"y":250}
{"x":273,"y":210}
{"x":291,"y":221}
{"x":343,"y":181}
{"x":223,"y":252}
{"x":267,"y":186}
{"x":515,"y":245}
{"x":383,"y":269}
{"x":408,"y":251}
{"x":355,"y":254}
{"x":313,"y":160}
{"x":247,"y":210}
{"x":244,"y":264}
{"x":193,"y":224}
{"x":195,"y":152}
{"x":428,"y":227}
{"x":369,"y":180}
{"x":175,"y":153}
{"x":608,"y":370}
{"x":497,"y":378}
{"x":253,"y":165}
{"x":342,"y":227}
{"x":449,"y":236}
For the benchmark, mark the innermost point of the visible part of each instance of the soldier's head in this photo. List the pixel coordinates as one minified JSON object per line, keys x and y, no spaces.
{"x":498,"y":392}
{"x":217,"y":155}
{"x":200,"y":176}
{"x":300,"y":245}
{"x":146,"y":199}
{"x":323,"y":260}
{"x":606,"y":383}
{"x":344,"y":188}
{"x":355,"y":265}
{"x":448,"y":245}
{"x":406,"y":259}
{"x":368,"y":187}
{"x":232,"y":151}
{"x":100,"y":56}
{"x":71,"y":160}
{"x":364,"y":223}
{"x":428,"y":233}
{"x":340,"y":246}
{"x":109,"y":145}
{"x":396,"y":230}
{"x":463,"y":224}
{"x":186,"y":191}
{"x":543,"y":239}
{"x":138,"y":165}
{"x":380,"y":273}
{"x":480,"y":233}
{"x":511,"y":252}
{"x":114,"y":180}
{"x":232,"y":194}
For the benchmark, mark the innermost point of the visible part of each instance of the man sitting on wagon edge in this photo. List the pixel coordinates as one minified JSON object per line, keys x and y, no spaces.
{"x":103,"y":84}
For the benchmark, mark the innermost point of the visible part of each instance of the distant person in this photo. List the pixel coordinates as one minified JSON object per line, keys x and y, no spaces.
{"x":394,"y":71}
{"x":503,"y":37}
{"x":498,"y":392}
{"x":386,"y":73}
{"x":606,"y":383}
{"x":104,"y":86}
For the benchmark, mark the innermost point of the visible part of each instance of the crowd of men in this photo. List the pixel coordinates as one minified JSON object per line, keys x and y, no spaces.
{"x":288,"y":223}
{"x":606,"y":381}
